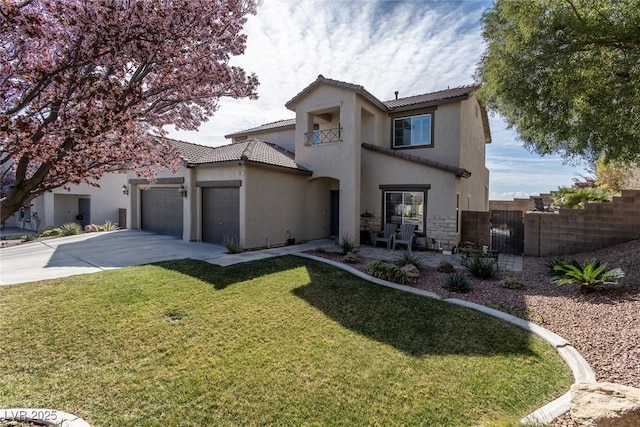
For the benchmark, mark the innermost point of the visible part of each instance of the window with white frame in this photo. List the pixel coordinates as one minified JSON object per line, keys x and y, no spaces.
{"x":405,"y":207}
{"x":412,"y":131}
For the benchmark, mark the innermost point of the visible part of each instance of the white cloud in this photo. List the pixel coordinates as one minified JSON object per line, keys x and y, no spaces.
{"x":412,"y":47}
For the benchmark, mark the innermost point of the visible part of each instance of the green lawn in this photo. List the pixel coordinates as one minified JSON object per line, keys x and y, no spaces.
{"x":284,"y":341}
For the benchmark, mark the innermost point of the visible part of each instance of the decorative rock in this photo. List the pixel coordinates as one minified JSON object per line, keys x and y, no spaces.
{"x":605,"y":405}
{"x":411,"y":270}
{"x":90,"y":228}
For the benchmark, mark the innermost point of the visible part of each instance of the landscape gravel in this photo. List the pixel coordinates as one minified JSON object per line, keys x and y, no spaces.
{"x":603,"y":325}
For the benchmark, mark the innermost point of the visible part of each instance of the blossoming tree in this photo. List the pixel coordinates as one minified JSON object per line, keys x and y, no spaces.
{"x":86,"y":84}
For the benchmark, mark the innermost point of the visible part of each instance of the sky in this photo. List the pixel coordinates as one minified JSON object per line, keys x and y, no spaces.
{"x":411,"y":46}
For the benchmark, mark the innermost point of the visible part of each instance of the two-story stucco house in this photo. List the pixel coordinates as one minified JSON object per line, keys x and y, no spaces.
{"x":347,"y":162}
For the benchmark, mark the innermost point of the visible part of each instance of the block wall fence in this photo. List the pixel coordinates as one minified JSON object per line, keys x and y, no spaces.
{"x":572,"y":231}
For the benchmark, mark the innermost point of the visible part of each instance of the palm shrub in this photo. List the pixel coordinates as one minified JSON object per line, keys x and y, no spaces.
{"x":387,"y":271}
{"x":576,"y":198}
{"x":406,"y":258}
{"x":71,"y":228}
{"x":482,"y":268}
{"x":587,"y":274}
{"x":552,"y":262}
{"x":456,"y":282}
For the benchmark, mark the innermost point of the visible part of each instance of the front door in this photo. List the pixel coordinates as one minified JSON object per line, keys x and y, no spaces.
{"x":84,"y":211}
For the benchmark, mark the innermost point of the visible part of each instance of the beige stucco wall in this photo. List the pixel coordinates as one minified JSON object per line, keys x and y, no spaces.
{"x":279,"y":202}
{"x":340,"y":160}
{"x":475,"y":190}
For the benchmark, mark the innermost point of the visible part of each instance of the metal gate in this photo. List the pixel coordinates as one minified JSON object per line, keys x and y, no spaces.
{"x":507,"y":232}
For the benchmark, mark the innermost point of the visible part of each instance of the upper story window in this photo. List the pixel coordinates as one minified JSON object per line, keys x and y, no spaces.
{"x":412,"y":131}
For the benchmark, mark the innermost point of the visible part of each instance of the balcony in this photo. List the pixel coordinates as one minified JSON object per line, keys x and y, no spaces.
{"x":324,"y":136}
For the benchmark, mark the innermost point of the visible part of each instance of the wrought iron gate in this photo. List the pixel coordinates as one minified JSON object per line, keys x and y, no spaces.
{"x":507,"y":231}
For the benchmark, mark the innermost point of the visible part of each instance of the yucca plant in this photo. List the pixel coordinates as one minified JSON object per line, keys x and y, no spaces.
{"x":406,"y":258}
{"x":109,"y":226}
{"x":71,"y":228}
{"x":456,"y":282}
{"x":347,"y":245}
{"x":482,"y":268}
{"x":587,"y":274}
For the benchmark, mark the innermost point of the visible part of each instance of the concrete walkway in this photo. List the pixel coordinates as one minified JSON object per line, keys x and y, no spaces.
{"x":92,"y":252}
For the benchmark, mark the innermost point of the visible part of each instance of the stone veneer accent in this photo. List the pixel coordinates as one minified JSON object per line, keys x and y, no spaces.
{"x":571,"y":231}
{"x":442,"y":229}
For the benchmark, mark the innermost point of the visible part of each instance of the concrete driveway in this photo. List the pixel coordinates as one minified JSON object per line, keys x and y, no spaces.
{"x":93,"y":252}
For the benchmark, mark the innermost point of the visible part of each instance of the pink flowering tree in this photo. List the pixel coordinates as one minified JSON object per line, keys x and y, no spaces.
{"x":85,"y":85}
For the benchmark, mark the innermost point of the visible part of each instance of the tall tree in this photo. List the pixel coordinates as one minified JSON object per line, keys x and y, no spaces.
{"x":85,"y":84}
{"x":566,"y":74}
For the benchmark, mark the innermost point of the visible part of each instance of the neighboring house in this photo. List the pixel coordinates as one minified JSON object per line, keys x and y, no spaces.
{"x":346,"y":164}
{"x":82,"y":203}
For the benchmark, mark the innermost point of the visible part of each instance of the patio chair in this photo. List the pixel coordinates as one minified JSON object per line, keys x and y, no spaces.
{"x":387,"y":236}
{"x":406,"y":236}
{"x":539,"y":205}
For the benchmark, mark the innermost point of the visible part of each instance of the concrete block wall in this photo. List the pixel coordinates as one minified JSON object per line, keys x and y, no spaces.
{"x":523,"y":205}
{"x":598,"y":225}
{"x":476,"y":227}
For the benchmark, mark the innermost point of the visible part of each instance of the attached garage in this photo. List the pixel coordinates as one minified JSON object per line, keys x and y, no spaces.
{"x":221,"y":212}
{"x":161,"y":210}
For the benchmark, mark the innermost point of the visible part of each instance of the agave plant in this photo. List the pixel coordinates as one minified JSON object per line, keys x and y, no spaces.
{"x":588,"y":274}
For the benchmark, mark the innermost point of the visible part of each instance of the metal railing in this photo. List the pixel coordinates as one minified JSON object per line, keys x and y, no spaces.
{"x":324,"y":136}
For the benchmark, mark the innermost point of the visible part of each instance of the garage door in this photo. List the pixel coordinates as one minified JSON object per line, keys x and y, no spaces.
{"x":162,"y":210}
{"x":220,"y":214}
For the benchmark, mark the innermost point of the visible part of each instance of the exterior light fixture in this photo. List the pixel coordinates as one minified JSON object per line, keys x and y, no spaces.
{"x":182,"y":191}
{"x":125,"y":190}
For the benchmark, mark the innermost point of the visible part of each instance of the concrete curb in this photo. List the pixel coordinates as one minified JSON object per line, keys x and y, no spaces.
{"x":53,"y":416}
{"x":581,"y":370}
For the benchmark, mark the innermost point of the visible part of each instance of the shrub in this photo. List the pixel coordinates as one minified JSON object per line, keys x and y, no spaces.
{"x":347,"y":245}
{"x":109,"y":226}
{"x":71,"y":228}
{"x":456,"y":282}
{"x":387,"y":271}
{"x":231,"y":245}
{"x":588,"y":274}
{"x":320,"y":250}
{"x":29,"y":237}
{"x":552,"y":262}
{"x":51,"y":232}
{"x":482,"y":268}
{"x":351,"y":258}
{"x":446,"y":267}
{"x":406,"y":258}
{"x":512,"y":282}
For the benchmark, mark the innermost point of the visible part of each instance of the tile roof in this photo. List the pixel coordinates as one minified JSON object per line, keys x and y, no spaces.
{"x":268,"y":126}
{"x":420,"y":160}
{"x":433,"y":97}
{"x":251,"y":150}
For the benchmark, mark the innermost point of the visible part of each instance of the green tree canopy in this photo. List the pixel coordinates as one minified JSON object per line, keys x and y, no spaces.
{"x":566,"y":74}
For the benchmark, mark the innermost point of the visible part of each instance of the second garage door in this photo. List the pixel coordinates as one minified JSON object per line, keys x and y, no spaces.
{"x":220,"y":214}
{"x":161,"y":210}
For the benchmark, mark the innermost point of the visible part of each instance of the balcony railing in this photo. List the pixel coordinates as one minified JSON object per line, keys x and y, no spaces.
{"x":324,"y":136}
